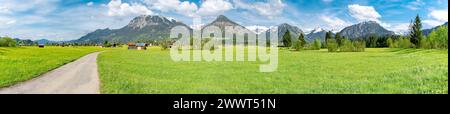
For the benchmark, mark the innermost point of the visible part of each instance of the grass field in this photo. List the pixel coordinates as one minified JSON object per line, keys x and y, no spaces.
{"x":23,"y":63}
{"x":374,"y":71}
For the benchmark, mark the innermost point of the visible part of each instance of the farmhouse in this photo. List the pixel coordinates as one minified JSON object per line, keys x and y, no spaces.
{"x":137,"y":46}
{"x":41,"y":45}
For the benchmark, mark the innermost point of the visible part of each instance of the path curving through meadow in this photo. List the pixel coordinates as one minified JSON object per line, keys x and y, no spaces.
{"x":78,"y":77}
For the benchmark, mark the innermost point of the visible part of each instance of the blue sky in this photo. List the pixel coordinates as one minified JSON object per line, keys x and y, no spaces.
{"x":71,"y":19}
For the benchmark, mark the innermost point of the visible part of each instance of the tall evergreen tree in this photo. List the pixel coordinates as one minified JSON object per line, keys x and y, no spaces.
{"x":339,"y":39}
{"x":287,"y":39}
{"x":302,"y":40}
{"x":372,"y":41}
{"x":328,"y":36}
{"x":416,"y":32}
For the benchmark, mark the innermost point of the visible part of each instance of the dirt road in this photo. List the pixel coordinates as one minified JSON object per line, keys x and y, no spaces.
{"x":78,"y":77}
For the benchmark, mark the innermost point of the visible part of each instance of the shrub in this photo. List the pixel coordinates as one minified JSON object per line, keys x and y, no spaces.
{"x":164,"y":45}
{"x":297,"y":46}
{"x":426,"y":43}
{"x":316,"y":44}
{"x":360,"y":46}
{"x":346,"y":46}
{"x":332,"y":45}
{"x":405,"y":43}
{"x":355,"y":46}
{"x":438,"y":39}
{"x":391,"y":43}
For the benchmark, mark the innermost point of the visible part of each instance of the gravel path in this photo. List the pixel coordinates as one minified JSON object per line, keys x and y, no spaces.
{"x":78,"y":77}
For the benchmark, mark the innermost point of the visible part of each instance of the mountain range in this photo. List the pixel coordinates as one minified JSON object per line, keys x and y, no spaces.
{"x":145,"y":27}
{"x":364,"y":29}
{"x":148,"y":27}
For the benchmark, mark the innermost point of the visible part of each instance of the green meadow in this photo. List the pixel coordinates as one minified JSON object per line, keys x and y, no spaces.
{"x":377,"y":70}
{"x":19,"y":64}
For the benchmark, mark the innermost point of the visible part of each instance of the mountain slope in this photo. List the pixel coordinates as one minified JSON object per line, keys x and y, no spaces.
{"x":295,"y":31}
{"x":317,"y":33}
{"x":365,"y":29}
{"x":282,"y":28}
{"x":222,"y":22}
{"x":426,"y":32}
{"x":145,"y":27}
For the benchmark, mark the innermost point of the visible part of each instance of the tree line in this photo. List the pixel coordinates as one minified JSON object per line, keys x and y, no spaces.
{"x":333,"y":44}
{"x":7,"y":42}
{"x":437,"y":39}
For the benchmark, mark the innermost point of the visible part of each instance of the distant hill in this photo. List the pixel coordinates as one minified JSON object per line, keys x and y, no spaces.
{"x":44,"y":41}
{"x":426,"y":32}
{"x":25,"y":41}
{"x":145,"y":27}
{"x":365,"y":29}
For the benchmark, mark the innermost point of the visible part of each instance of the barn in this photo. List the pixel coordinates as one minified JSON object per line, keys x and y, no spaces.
{"x":41,"y":45}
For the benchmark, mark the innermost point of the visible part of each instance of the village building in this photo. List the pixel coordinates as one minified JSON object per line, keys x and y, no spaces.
{"x":137,"y":46}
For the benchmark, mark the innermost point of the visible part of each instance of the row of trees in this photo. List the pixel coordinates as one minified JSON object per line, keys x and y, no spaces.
{"x":333,"y":44}
{"x":342,"y":44}
{"x":437,"y":39}
{"x":300,"y":43}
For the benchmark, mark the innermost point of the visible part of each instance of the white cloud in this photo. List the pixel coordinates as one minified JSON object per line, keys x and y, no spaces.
{"x":440,"y":15}
{"x":364,"y":13}
{"x":10,"y":22}
{"x":437,"y":17}
{"x":39,"y":7}
{"x":4,"y":10}
{"x":400,"y":28}
{"x":417,"y":2}
{"x":184,"y":8}
{"x":432,"y":23}
{"x":257,"y":29}
{"x":327,"y":1}
{"x":334,"y":22}
{"x":117,"y":8}
{"x":414,"y":5}
{"x":411,"y":7}
{"x":65,"y":24}
{"x":214,"y":7}
{"x":163,"y":5}
{"x":188,"y":9}
{"x":90,"y":3}
{"x":270,"y":8}
{"x":7,"y":21}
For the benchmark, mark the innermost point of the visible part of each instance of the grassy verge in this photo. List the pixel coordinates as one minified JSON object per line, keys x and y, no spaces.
{"x":23,"y":63}
{"x":373,"y":71}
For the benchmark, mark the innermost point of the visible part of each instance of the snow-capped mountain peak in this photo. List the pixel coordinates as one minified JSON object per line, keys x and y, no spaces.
{"x":316,"y":30}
